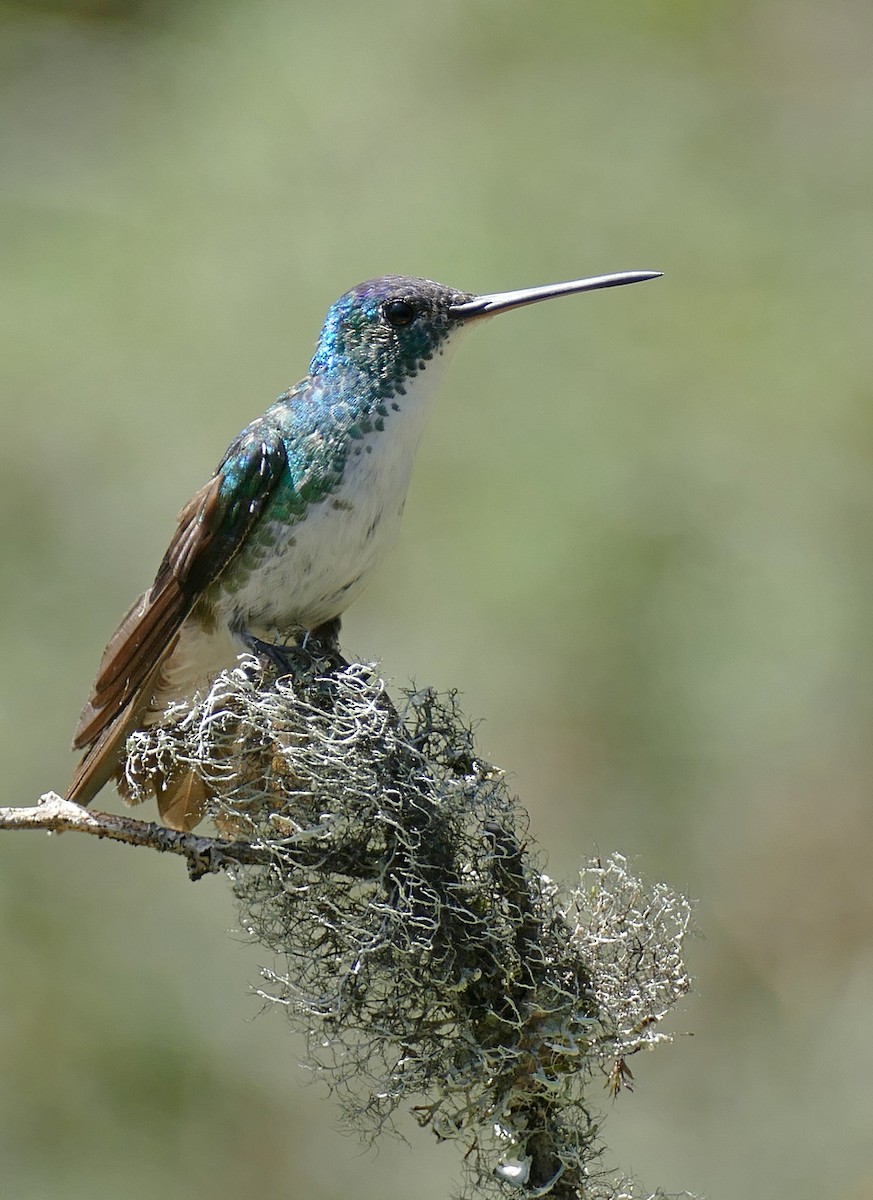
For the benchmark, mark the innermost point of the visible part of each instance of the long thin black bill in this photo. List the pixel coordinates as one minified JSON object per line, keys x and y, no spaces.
{"x":487,"y":306}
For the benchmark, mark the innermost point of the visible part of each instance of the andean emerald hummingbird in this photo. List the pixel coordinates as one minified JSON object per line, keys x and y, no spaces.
{"x":299,"y":512}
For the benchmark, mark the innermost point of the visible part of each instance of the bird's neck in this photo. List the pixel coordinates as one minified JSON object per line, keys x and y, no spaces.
{"x":342,"y":406}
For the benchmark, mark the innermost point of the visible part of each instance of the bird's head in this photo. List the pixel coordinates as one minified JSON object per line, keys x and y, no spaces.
{"x":386,"y":331}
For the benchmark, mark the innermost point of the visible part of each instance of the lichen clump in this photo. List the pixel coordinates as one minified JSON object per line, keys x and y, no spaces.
{"x":419,"y":943}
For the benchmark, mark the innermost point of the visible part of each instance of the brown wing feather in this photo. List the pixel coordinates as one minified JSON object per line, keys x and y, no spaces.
{"x":102,"y":760}
{"x":133,"y":657}
{"x":210,"y":531}
{"x":112,"y":693}
{"x":143,"y":638}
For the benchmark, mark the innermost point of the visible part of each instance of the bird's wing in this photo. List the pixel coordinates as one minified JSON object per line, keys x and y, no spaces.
{"x":211,"y":529}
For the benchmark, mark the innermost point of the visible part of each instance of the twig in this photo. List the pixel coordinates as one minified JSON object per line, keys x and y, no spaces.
{"x":205,"y":855}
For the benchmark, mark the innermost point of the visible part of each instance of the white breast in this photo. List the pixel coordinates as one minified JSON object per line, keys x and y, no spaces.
{"x":318,"y":566}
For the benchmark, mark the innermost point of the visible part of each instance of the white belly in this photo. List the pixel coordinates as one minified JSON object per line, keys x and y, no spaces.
{"x":315,"y":568}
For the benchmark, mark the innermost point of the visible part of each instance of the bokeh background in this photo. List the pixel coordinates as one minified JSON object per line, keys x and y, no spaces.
{"x":638,"y":538}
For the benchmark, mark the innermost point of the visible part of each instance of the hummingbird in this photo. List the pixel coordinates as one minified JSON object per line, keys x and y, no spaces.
{"x":300,"y":510}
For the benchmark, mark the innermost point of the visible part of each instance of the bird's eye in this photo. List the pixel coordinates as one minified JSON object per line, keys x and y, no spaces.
{"x":398,"y":312}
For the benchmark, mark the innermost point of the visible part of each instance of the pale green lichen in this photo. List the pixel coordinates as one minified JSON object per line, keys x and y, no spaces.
{"x":420,"y":945}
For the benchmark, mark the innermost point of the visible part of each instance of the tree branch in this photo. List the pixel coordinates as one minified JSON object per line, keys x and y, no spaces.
{"x":204,"y":855}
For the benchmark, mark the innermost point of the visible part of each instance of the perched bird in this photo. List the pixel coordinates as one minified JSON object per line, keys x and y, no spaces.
{"x":300,"y":510}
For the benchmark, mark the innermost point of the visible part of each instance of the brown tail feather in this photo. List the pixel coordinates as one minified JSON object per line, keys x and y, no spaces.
{"x":183,"y":803}
{"x":102,"y":760}
{"x":103,"y":757}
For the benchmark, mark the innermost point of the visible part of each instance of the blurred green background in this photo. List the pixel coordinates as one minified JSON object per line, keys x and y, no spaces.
{"x":638,"y":539}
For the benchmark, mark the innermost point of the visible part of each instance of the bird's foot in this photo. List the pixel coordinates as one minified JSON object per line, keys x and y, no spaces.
{"x":314,"y":648}
{"x":280,"y":657}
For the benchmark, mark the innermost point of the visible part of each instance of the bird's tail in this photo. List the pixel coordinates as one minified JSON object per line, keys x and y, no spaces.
{"x":101,"y":761}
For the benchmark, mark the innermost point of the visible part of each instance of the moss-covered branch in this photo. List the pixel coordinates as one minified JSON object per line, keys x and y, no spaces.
{"x":420,"y":945}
